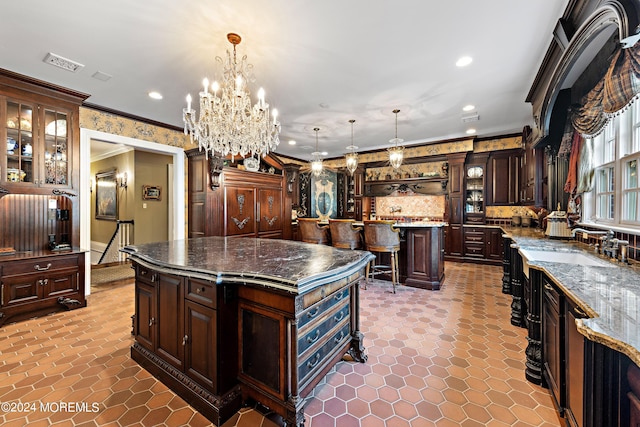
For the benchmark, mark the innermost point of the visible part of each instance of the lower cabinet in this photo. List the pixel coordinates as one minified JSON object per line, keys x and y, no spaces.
{"x":425,"y":257}
{"x":574,"y":365}
{"x":483,"y":244}
{"x":552,"y":328}
{"x":39,"y":285}
{"x":182,"y":327}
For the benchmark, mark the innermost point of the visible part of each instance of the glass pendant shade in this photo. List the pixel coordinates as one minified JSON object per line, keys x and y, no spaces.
{"x":316,"y":163}
{"x":351,"y":158}
{"x":228,"y":123}
{"x":396,"y":153}
{"x":352,"y":162}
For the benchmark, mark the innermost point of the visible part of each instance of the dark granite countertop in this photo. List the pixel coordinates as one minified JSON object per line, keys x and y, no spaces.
{"x":284,"y":264}
{"x":606,"y":290}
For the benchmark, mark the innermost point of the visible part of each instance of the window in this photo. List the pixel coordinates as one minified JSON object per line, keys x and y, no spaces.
{"x":615,"y":199}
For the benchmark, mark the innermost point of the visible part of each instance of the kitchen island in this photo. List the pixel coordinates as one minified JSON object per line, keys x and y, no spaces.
{"x":222,"y":321}
{"x":422,"y":254}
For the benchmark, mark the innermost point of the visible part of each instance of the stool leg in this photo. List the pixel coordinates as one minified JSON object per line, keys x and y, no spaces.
{"x":366,"y":275}
{"x":397,"y":268}
{"x":394,"y":272}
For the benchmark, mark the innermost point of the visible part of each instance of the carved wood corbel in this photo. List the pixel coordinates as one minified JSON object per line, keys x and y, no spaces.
{"x":215,"y":171}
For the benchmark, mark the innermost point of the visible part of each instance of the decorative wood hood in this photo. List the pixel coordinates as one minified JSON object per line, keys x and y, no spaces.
{"x":423,"y":186}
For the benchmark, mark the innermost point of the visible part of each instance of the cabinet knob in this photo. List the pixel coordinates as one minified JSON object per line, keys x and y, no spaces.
{"x":151,"y":321}
{"x":185,"y":339}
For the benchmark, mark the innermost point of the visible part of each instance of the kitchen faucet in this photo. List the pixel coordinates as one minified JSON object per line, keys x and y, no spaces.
{"x":609,"y":245}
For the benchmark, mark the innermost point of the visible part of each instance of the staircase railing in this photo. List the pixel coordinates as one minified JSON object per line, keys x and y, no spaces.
{"x":121,"y":238}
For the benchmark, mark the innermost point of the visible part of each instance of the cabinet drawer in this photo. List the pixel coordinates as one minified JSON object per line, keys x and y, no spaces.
{"x":316,"y":311}
{"x":316,"y":333}
{"x":316,"y":359}
{"x":474,"y":237}
{"x":145,"y":274}
{"x":37,"y":265}
{"x":202,"y":292}
{"x":551,"y":296}
{"x":474,"y":250}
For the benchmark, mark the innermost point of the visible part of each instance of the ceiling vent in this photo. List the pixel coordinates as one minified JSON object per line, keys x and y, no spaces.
{"x":101,"y":76}
{"x":470,"y":118}
{"x":63,"y":63}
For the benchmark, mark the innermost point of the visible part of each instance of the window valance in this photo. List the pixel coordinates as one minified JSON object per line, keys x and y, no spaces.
{"x":619,"y":87}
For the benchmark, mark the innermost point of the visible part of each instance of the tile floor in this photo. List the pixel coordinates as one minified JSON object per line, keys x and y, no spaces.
{"x":436,"y":358}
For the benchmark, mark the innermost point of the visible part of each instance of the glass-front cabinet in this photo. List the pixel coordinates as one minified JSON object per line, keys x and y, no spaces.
{"x":474,"y":206}
{"x":38,"y":149}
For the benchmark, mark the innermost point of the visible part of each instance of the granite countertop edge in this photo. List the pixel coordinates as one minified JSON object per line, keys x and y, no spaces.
{"x":603,"y":293}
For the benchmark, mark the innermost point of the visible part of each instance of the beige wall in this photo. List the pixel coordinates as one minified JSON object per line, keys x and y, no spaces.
{"x":102,"y":230}
{"x":152,"y":221}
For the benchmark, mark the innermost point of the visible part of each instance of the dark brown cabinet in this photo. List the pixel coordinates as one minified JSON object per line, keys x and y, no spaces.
{"x":225,"y":201}
{"x":425,"y":253}
{"x":483,"y":244}
{"x":454,"y":243}
{"x":39,"y":165}
{"x":182,"y":326}
{"x":503,"y":178}
{"x":552,"y":342}
{"x":574,"y":366}
{"x":494,"y":249}
{"x":475,"y":181}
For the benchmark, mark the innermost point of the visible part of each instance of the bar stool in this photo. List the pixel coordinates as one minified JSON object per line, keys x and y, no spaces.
{"x":382,"y":237}
{"x":312,"y":232}
{"x":344,"y":234}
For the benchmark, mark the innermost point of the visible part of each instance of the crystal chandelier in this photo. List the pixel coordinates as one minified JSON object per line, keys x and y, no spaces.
{"x":396,"y":153}
{"x":352,"y":157}
{"x":316,"y":163}
{"x":228,"y":123}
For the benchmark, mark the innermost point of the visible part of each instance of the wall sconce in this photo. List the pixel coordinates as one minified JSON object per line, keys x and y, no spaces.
{"x":90,"y":185}
{"x":122,"y":180}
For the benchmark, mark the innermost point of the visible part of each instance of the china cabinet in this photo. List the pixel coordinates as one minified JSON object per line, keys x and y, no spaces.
{"x":41,"y":267}
{"x":474,"y":190}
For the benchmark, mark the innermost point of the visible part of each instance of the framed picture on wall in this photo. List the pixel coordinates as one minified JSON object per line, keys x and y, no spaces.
{"x":106,"y":196}
{"x":151,"y":192}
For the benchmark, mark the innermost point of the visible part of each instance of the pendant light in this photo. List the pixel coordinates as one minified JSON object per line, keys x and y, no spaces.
{"x":396,"y":153}
{"x":316,"y":163}
{"x":352,"y":157}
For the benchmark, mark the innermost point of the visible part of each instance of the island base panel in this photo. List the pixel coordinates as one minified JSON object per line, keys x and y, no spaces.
{"x":216,"y":409}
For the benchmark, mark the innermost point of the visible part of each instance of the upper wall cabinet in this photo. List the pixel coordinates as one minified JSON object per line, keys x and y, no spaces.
{"x":504,"y":178}
{"x":475,"y":191}
{"x":40,"y":126}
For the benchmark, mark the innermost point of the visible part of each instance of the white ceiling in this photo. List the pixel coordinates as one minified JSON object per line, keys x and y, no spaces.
{"x":320,"y":62}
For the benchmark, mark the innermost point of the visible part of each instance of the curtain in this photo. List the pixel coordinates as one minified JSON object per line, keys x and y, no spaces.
{"x":619,"y":87}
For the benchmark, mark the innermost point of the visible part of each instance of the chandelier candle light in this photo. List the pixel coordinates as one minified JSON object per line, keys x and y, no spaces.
{"x":316,"y":163}
{"x":396,"y":153}
{"x":352,"y":157}
{"x":228,"y":123}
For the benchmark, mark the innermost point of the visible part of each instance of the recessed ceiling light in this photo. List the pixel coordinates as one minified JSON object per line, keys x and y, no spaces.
{"x":292,"y":142}
{"x":155,"y":95}
{"x":468,"y":107}
{"x":471,"y":131}
{"x":464,"y":61}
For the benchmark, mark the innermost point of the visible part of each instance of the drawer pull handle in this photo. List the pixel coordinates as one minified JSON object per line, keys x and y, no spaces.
{"x":548,"y":287}
{"x":185,"y":339}
{"x":313,"y":363}
{"x":200,"y":290}
{"x":339,"y":337}
{"x":311,"y":339}
{"x":37,"y":267}
{"x":151,"y":321}
{"x":313,"y":314}
{"x":338,"y":317}
{"x":339,"y":296}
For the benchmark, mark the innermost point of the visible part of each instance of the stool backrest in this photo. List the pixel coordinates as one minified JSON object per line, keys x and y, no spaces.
{"x":344,"y":234}
{"x":312,"y":232}
{"x":381,"y":236}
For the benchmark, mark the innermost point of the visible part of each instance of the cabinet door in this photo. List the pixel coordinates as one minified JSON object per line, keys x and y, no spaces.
{"x":21,"y":289}
{"x":240,"y":205}
{"x":270,"y":211}
{"x":145,"y":321}
{"x":170,"y":340}
{"x":61,"y":283}
{"x":55,"y":153}
{"x":201,"y":351}
{"x":552,"y":342}
{"x":574,"y":360}
{"x":455,"y":209}
{"x":454,"y":240}
{"x":494,"y":248}
{"x":504,"y":179}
